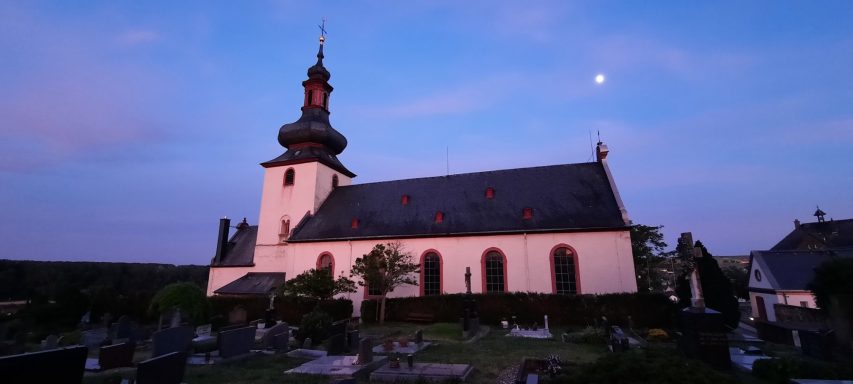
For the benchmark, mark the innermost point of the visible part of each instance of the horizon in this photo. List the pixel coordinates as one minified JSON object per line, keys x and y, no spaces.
{"x":130,"y":129}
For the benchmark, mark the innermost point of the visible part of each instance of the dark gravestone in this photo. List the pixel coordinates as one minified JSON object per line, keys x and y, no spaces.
{"x":352,"y":339}
{"x":63,"y":365}
{"x":93,"y":338}
{"x":50,"y":342}
{"x":338,"y":344}
{"x":124,"y":328}
{"x":419,"y":336}
{"x":116,"y":355}
{"x":232,"y":327}
{"x":236,"y":342}
{"x":165,"y":369}
{"x":337,"y":337}
{"x":281,"y":342}
{"x":177,"y":339}
{"x":268,"y":341}
{"x":704,"y":337}
{"x":365,"y":351}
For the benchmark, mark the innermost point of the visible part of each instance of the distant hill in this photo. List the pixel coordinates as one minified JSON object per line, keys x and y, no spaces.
{"x":51,"y":280}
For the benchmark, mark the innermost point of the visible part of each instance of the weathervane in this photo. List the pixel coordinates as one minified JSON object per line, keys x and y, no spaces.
{"x":322,"y":31}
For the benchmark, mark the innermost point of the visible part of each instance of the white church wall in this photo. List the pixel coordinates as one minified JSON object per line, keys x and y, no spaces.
{"x":218,"y":277}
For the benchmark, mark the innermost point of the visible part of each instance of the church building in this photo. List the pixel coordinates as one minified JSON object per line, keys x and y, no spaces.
{"x":559,"y":229}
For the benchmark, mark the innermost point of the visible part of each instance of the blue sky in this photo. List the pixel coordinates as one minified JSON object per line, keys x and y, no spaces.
{"x":128,"y":128}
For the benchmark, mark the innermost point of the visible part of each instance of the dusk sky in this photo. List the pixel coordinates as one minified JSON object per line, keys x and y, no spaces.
{"x":128,"y":128}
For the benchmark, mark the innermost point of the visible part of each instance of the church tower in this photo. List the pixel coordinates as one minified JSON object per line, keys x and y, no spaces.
{"x":297,"y":182}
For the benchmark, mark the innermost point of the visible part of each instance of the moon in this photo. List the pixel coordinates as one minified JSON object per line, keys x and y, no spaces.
{"x":599,"y":78}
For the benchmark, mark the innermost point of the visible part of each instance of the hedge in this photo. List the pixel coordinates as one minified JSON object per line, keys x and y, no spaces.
{"x":646,"y":310}
{"x":287,"y":308}
{"x":784,"y":369}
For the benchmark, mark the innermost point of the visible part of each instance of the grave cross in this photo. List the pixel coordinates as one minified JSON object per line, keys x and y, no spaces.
{"x":468,"y":279}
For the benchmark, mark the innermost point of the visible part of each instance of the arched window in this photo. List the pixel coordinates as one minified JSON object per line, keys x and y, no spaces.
{"x":309,"y":98}
{"x":284,"y":231}
{"x":289,"y":175}
{"x":334,"y":181}
{"x":494,"y":272}
{"x":325,"y":100}
{"x":326,"y":261}
{"x":563,"y":262}
{"x":430,"y":274}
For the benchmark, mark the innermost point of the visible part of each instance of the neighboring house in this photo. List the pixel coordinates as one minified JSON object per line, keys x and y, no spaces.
{"x":555,"y":229}
{"x":782,"y":274}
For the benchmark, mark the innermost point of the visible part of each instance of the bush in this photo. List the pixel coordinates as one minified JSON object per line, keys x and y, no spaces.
{"x":659,"y":367}
{"x":577,"y":311}
{"x":784,"y":369}
{"x":287,"y":308}
{"x":314,"y":325}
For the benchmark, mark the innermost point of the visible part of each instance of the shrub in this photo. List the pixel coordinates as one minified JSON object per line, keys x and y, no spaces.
{"x":314,"y":325}
{"x":784,"y":369}
{"x":287,"y":308}
{"x":657,"y":334}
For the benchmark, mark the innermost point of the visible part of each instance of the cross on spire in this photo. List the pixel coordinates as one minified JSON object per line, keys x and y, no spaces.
{"x":322,"y":31}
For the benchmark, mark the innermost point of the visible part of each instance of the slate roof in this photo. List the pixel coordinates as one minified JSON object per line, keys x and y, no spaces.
{"x":793,"y":270}
{"x":253,"y":283}
{"x":827,"y":234}
{"x":240,"y":249}
{"x":563,"y":197}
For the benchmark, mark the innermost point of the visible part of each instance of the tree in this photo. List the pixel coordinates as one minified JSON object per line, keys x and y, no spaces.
{"x":716,"y":288}
{"x":386,"y":267}
{"x":648,"y":246}
{"x":833,"y":290}
{"x":186,"y":297}
{"x":318,"y":284}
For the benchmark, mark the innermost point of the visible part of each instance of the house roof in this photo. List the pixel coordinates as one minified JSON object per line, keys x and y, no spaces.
{"x":253,"y":283}
{"x":562,"y":197}
{"x":793,"y":270}
{"x":240,"y":249}
{"x":822,"y":235}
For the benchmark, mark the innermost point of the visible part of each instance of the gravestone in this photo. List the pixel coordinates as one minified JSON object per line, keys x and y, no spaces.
{"x":352,"y":339}
{"x":165,"y":369}
{"x":281,"y":342}
{"x":177,"y":339}
{"x":704,"y":337}
{"x":203,"y":330}
{"x":236,"y":342}
{"x":237,"y":316}
{"x":308,"y":343}
{"x":268,"y":340}
{"x":337,"y":338}
{"x":423,"y":372}
{"x":62,"y":365}
{"x":419,"y":336}
{"x":365,"y":350}
{"x":470,"y":320}
{"x":123,"y":328}
{"x":232,"y":327}
{"x":116,"y":355}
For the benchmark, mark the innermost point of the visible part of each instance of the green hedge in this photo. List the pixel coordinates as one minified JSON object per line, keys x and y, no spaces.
{"x":784,"y":369}
{"x":287,"y":308}
{"x":646,"y":310}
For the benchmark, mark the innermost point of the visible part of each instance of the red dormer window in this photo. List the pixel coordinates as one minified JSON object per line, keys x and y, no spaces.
{"x":490,"y":193}
{"x":354,"y":224}
{"x":527,"y":213}
{"x":439,"y":217}
{"x":404,"y":200}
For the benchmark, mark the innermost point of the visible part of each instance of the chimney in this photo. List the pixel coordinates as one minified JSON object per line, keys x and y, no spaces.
{"x":601,"y":151}
{"x":224,"y":224}
{"x":796,"y":223}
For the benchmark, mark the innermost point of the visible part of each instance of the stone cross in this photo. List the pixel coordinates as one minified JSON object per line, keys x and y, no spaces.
{"x":468,"y":279}
{"x":546,"y":322}
{"x":272,"y":299}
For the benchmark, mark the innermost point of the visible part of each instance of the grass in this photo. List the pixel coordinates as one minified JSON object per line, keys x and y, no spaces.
{"x":490,"y":355}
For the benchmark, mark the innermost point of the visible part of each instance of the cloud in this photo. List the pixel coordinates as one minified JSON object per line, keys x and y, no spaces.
{"x":137,"y":37}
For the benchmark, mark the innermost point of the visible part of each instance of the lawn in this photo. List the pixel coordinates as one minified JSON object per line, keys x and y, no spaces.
{"x":490,"y":355}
